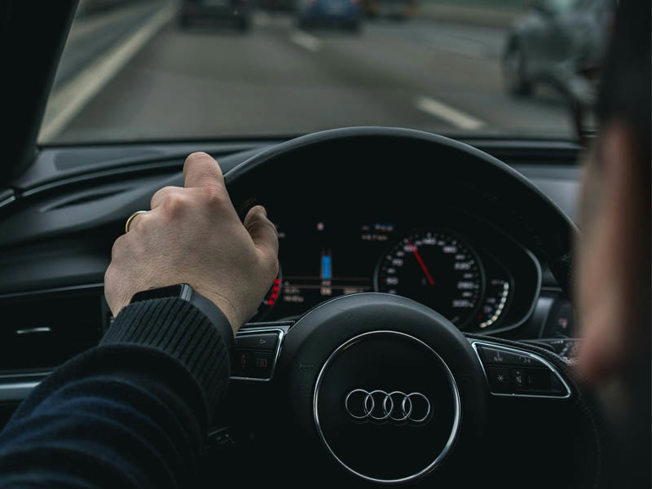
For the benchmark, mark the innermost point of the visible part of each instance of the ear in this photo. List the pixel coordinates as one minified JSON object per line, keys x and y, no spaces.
{"x":614,"y":263}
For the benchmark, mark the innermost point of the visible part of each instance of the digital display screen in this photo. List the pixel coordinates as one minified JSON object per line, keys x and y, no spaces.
{"x":434,"y":265}
{"x":324,"y":260}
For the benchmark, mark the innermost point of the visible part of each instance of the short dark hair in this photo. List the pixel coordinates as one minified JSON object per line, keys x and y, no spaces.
{"x":624,"y":96}
{"x":626,"y":86}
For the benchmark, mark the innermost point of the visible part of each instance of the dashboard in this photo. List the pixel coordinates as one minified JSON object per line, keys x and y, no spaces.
{"x":475,"y":276}
{"x":455,"y":248}
{"x":348,"y":223}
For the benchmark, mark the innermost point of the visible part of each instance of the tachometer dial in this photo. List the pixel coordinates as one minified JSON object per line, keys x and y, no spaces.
{"x":436,"y":268}
{"x":494,"y":303}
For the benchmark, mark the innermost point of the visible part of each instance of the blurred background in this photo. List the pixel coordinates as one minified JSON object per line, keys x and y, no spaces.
{"x":136,"y":70}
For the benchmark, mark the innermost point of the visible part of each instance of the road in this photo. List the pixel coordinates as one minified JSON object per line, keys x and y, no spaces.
{"x":211,"y":81}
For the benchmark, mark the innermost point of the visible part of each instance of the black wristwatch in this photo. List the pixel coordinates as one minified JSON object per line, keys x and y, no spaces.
{"x":187,"y":293}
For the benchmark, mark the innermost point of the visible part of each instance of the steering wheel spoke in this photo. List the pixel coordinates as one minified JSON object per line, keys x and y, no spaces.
{"x":372,"y":389}
{"x":518,"y":372}
{"x":379,"y":385}
{"x":256,"y":350}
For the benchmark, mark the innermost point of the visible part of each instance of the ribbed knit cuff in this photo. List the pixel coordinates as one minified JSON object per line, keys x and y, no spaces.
{"x":182,"y":331}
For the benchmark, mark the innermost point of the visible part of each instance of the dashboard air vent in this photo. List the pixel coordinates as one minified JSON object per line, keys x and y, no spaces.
{"x":39,"y":331}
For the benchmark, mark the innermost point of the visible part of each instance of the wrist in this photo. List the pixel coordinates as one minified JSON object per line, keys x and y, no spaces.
{"x":186,"y":293}
{"x":180,"y":330}
{"x":231,"y":313}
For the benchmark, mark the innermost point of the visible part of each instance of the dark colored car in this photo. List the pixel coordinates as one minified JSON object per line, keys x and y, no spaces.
{"x":236,"y":11}
{"x":339,"y":13}
{"x":561,"y":42}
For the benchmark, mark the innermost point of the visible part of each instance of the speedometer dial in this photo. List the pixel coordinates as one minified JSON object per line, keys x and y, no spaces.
{"x":436,"y":268}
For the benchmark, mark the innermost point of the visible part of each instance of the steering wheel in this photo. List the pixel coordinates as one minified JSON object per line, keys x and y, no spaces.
{"x":377,"y":389}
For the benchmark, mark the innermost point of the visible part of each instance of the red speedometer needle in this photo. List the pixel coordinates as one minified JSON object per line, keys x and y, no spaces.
{"x":421,"y":264}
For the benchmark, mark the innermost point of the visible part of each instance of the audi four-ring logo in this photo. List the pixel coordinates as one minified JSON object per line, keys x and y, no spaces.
{"x":378,"y":405}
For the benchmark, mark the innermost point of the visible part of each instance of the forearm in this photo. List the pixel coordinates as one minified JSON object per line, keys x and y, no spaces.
{"x":132,"y":412}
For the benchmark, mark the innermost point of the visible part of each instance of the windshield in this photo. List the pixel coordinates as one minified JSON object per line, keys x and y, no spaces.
{"x":143,"y":70}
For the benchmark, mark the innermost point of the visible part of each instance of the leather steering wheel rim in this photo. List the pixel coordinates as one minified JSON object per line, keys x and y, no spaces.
{"x":553,"y":232}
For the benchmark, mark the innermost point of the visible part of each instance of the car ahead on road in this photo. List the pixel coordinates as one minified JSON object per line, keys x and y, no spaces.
{"x":329,"y":13}
{"x":237,"y":12}
{"x":561,"y":42}
{"x":420,"y":333}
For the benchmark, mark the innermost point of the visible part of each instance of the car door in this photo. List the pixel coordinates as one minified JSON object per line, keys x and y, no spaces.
{"x":549,"y":43}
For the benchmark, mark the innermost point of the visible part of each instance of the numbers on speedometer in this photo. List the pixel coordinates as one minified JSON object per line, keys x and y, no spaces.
{"x":436,"y":268}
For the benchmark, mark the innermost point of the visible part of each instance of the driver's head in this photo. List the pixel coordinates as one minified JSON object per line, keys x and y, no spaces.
{"x":613,"y":266}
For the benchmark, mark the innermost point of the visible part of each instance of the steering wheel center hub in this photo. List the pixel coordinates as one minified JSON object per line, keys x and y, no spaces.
{"x":387,"y":406}
{"x":385,"y":387}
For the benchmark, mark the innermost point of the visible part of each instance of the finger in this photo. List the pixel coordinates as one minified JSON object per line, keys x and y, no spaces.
{"x":161,"y":194}
{"x":262,"y":230}
{"x":118,"y":247}
{"x":134,"y":220}
{"x":200,"y":169}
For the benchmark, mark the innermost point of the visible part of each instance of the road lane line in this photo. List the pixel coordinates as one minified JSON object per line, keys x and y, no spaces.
{"x":68,"y":101}
{"x":448,"y":113}
{"x":86,"y":25}
{"x":306,"y":41}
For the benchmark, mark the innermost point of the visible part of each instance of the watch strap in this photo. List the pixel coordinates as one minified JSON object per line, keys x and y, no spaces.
{"x":186,"y":293}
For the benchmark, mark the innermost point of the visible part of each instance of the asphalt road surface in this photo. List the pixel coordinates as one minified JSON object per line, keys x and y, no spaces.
{"x":211,"y":81}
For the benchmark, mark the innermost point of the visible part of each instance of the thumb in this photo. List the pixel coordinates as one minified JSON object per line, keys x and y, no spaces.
{"x":262,"y":231}
{"x":202,"y":169}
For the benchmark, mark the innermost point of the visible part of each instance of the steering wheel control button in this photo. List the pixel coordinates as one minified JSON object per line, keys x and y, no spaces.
{"x":241,"y":361}
{"x":254,"y":354}
{"x":251,"y":364}
{"x":386,"y":406}
{"x":262,"y":341}
{"x":495,"y":356}
{"x":500,"y":379}
{"x":511,"y":372}
{"x":520,"y":380}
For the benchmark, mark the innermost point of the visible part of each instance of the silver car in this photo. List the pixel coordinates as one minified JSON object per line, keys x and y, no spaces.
{"x":561,"y":42}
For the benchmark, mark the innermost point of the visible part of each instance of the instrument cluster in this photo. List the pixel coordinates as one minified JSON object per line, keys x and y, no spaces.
{"x":471,"y":273}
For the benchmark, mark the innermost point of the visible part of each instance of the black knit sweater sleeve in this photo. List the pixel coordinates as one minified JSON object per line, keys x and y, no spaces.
{"x":132,"y":412}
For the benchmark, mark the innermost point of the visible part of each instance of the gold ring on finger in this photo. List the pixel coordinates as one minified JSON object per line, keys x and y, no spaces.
{"x":131,"y":218}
